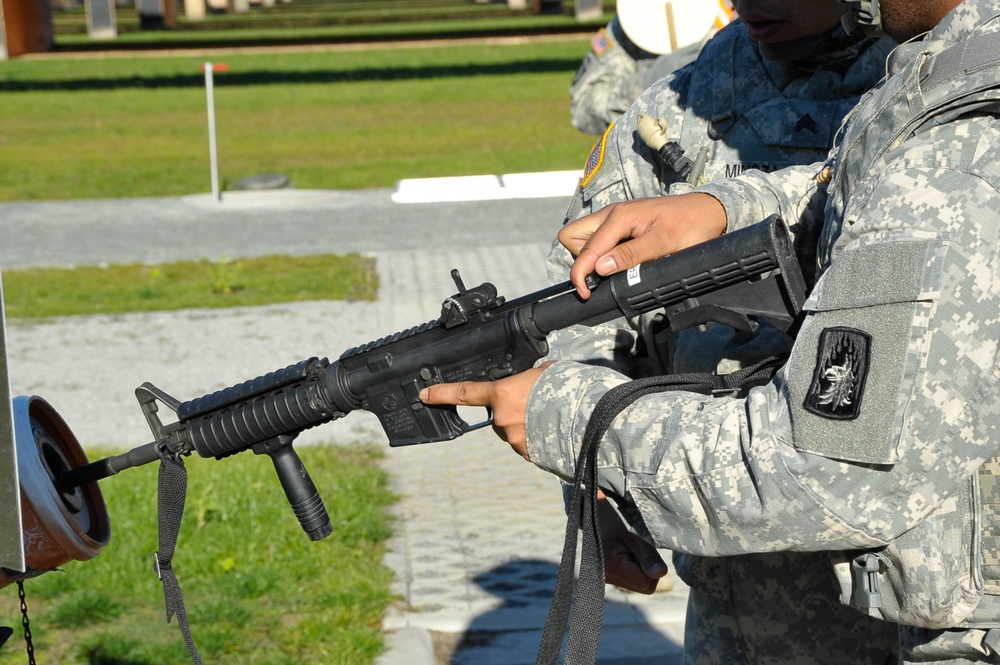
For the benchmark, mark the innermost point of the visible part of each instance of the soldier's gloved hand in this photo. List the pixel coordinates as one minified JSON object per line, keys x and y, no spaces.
{"x":629,"y":561}
{"x":623,"y":235}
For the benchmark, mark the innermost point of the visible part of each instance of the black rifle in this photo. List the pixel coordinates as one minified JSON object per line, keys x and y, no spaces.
{"x":733,"y":279}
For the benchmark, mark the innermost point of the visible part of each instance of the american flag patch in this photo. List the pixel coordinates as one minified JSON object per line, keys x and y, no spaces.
{"x":596,"y":157}
{"x":600,"y":43}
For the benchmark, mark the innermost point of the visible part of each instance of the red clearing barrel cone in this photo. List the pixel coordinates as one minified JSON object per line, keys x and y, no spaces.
{"x":58,"y":525}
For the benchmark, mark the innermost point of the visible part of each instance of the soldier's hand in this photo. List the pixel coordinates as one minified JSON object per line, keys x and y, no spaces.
{"x":623,"y":235}
{"x":508,"y":398}
{"x":629,"y":561}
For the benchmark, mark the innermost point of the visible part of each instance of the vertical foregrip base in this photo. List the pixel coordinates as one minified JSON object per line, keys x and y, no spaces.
{"x":312,"y":511}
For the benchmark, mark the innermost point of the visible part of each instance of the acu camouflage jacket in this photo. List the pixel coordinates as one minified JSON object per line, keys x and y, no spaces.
{"x":878,"y":441}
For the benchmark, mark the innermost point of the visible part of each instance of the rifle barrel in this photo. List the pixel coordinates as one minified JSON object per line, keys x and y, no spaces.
{"x":109,"y":466}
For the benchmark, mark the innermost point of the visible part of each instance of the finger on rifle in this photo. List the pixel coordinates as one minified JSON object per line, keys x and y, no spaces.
{"x":602,"y":252}
{"x":645,"y":229}
{"x":464,"y":393}
{"x":575,"y":234}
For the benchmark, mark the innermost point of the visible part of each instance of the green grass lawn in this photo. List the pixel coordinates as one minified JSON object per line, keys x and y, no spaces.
{"x":97,"y":128}
{"x":120,"y":289}
{"x":257,"y":591}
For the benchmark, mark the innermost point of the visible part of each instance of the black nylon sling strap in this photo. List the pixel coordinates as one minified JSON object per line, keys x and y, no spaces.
{"x":171,"y":495}
{"x":583,"y":611}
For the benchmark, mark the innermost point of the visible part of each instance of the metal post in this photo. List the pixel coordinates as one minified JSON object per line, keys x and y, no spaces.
{"x":212,"y":154}
{"x":11,"y":535}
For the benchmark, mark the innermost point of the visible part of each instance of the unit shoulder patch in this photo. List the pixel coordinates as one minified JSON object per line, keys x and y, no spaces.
{"x":838,"y":382}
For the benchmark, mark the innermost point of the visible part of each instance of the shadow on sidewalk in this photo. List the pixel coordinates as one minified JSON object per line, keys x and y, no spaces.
{"x":510,"y":634}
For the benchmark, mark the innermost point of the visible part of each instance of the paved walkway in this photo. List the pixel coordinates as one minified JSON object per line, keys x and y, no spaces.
{"x":479,"y":531}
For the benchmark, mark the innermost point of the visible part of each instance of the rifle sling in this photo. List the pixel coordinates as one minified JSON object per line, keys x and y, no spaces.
{"x":582,"y":612}
{"x":171,"y":495}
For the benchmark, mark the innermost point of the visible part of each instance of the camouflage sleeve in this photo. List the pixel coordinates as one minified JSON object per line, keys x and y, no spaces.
{"x":602,"y":93}
{"x":797,"y":193}
{"x":884,"y":409}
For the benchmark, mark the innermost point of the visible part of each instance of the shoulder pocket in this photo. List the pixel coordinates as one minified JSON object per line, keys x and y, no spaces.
{"x":857,"y":358}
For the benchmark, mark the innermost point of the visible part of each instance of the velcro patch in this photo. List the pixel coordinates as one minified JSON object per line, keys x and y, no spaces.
{"x":838,"y":382}
{"x":596,"y":157}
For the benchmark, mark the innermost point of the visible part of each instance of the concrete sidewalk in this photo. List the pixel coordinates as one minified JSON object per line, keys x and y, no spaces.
{"x":478,"y":532}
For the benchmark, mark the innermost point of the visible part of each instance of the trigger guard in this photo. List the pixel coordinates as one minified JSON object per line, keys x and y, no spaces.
{"x":485,"y":423}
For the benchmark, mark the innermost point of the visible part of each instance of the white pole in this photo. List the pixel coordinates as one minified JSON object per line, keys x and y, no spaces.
{"x":212,"y":155}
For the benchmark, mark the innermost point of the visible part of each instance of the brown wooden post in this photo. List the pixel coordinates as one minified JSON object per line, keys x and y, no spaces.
{"x":25,"y":27}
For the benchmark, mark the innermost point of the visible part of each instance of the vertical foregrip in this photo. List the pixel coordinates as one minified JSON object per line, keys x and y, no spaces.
{"x":301,"y":492}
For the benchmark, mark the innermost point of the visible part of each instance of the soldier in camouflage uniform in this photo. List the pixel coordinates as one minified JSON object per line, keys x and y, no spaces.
{"x":780,"y":104}
{"x":876,"y":444}
{"x":609,"y":79}
{"x":616,"y":70}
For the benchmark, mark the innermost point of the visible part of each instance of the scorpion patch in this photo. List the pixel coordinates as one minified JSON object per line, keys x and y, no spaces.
{"x":838,"y":382}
